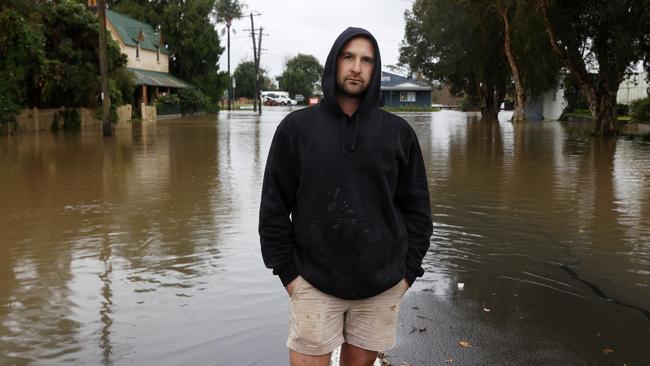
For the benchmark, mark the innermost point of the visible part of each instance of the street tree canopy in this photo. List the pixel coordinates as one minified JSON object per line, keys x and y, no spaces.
{"x":599,"y":42}
{"x":245,"y":78}
{"x":300,"y":74}
{"x":458,"y":44}
{"x":48,"y":57}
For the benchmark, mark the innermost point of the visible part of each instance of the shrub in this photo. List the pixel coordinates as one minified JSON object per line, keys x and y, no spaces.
{"x":640,"y":110}
{"x":192,"y":100}
{"x":70,"y":117}
{"x":622,"y":109}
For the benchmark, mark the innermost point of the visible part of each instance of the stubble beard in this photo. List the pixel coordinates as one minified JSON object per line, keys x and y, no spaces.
{"x":352,"y":94}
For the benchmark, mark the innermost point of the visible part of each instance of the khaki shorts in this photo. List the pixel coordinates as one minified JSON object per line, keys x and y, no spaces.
{"x":319,"y":323}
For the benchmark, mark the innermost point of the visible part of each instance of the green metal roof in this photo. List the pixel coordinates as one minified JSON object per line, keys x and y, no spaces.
{"x":157,"y":78}
{"x":131,"y":30}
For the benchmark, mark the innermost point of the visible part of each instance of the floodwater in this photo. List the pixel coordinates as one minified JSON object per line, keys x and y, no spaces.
{"x":143,"y":248}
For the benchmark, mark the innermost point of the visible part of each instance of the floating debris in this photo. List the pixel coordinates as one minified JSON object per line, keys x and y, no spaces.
{"x":461,"y":286}
{"x":464,"y":344}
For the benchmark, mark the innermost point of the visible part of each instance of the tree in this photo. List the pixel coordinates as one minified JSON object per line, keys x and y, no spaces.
{"x":20,"y":55}
{"x":458,"y":44}
{"x":227,"y":11}
{"x":533,"y":67}
{"x":188,"y":33}
{"x":482,"y":48}
{"x":300,"y":74}
{"x":245,"y":76}
{"x":49,"y":56}
{"x":605,"y":38}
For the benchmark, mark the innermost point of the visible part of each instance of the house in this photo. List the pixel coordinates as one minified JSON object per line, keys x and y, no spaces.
{"x":549,"y":105}
{"x":148,"y":57}
{"x":398,"y":91}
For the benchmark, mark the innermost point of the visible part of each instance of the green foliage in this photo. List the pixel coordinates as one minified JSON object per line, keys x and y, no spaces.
{"x":49,"y":57}
{"x":168,"y":99}
{"x":459,"y":44}
{"x":469,"y":104}
{"x":607,"y":36}
{"x":640,"y":110}
{"x":573,"y":96}
{"x":300,"y":74}
{"x":245,"y":76}
{"x":538,"y":66}
{"x":192,"y":100}
{"x":122,"y":86}
{"x":228,"y":10}
{"x":69,"y":119}
{"x":21,"y":55}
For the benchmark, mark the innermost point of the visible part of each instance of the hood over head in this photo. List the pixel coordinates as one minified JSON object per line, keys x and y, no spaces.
{"x":371,"y":96}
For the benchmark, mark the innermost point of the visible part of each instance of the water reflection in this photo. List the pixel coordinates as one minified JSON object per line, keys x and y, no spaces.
{"x":143,"y":248}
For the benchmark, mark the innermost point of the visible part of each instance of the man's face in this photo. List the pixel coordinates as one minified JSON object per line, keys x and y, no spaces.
{"x":354,"y":67}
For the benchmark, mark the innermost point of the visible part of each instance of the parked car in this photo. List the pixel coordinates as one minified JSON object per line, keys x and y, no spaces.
{"x":282,"y":100}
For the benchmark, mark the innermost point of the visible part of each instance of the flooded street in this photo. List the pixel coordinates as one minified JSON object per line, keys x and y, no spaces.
{"x":143,"y":248}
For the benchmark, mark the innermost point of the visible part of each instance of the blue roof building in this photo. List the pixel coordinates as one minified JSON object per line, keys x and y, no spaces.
{"x":398,"y":91}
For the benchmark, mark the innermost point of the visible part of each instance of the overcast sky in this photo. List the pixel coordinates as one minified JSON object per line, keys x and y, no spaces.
{"x":310,"y":27}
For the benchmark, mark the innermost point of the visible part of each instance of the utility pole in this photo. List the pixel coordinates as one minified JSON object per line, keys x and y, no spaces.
{"x":103,"y":70}
{"x":256,"y":69}
{"x":258,"y":95}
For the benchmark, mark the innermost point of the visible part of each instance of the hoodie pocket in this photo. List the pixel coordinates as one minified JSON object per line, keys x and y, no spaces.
{"x":355,"y":253}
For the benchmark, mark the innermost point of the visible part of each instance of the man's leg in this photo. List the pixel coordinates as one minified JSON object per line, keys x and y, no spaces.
{"x":299,"y":359}
{"x":355,"y":356}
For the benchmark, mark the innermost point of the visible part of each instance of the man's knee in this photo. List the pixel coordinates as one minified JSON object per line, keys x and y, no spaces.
{"x":300,"y":359}
{"x":355,"y":356}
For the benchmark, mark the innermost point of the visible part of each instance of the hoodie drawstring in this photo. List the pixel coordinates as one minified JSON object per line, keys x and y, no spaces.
{"x":343,"y":152}
{"x":353,"y":146}
{"x":354,"y":137}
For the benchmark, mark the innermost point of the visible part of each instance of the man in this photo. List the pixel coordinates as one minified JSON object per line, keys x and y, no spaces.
{"x":345,"y":215}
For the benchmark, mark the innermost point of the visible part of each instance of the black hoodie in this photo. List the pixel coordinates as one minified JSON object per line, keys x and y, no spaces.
{"x":345,"y":200}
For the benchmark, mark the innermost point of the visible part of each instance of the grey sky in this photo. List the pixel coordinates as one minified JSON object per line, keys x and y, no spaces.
{"x":311,"y":27}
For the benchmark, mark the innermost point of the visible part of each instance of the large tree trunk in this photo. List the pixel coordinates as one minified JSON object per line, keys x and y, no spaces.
{"x":520,"y":93}
{"x":601,"y":99}
{"x":604,"y":113}
{"x":491,"y":100}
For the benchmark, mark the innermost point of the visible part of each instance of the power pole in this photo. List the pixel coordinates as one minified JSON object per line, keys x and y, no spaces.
{"x":103,"y":70}
{"x":256,"y":69}
{"x":258,"y":95}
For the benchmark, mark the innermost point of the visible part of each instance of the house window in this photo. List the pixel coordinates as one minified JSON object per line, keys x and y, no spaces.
{"x":407,"y":96}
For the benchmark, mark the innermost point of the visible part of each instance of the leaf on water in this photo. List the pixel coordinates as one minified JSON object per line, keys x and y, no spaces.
{"x":464,"y":344}
{"x":607,"y":350}
{"x":422,"y":329}
{"x":485,"y":309}
{"x":449,"y":360}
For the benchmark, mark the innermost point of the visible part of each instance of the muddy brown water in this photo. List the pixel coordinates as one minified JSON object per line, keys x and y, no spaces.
{"x":143,"y":248}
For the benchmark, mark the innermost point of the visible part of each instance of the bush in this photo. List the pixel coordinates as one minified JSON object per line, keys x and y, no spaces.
{"x":192,"y":100}
{"x":468,"y":104}
{"x":640,"y":110}
{"x":112,"y":115}
{"x":622,"y":109}
{"x":168,"y":99}
{"x":70,"y":117}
